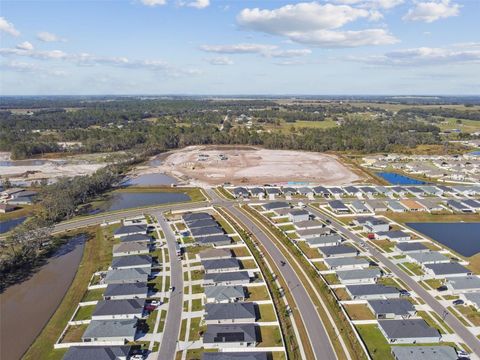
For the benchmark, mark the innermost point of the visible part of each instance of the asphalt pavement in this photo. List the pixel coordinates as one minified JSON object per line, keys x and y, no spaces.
{"x":173,"y":321}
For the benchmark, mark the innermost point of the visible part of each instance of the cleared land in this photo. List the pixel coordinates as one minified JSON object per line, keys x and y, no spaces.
{"x":209,"y":165}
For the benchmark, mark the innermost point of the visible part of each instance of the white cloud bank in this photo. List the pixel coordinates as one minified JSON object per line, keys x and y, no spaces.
{"x":432,"y":11}
{"x":220,"y":60}
{"x":316,"y":24}
{"x":8,"y":27}
{"x":46,"y":36}
{"x":260,"y":49}
{"x":153,"y":3}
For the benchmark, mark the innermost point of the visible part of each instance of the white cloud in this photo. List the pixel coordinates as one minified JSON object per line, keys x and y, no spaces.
{"x":432,"y":11}
{"x":198,"y":4}
{"x":8,"y":27}
{"x":220,"y":60}
{"x":25,"y":46}
{"x":316,"y":24}
{"x":24,"y":67}
{"x":153,"y":2}
{"x":261,"y":49}
{"x":46,"y":36}
{"x":382,"y":4}
{"x":85,"y":59}
{"x":425,"y":56}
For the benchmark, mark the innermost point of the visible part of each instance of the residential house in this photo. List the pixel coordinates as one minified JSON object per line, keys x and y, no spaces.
{"x":227,"y":279}
{"x":97,"y":353}
{"x":224,"y":294}
{"x":463,"y":284}
{"x":410,"y":247}
{"x":136,"y":238}
{"x":392,"y":308}
{"x":214,"y":254}
{"x":431,"y":257}
{"x":472,"y":299}
{"x":339,"y":207}
{"x":202,"y":223}
{"x":214,"y":240}
{"x":346,"y":263}
{"x":446,"y":270}
{"x":123,"y":231}
{"x":395,"y":206}
{"x":189,"y":217}
{"x":376,"y":225}
{"x":338,"y":251}
{"x":131,"y":248}
{"x":230,"y":313}
{"x":117,"y":331}
{"x":130,"y":262}
{"x":412,"y":205}
{"x":352,"y":191}
{"x":118,"y":309}
{"x":230,"y":336}
{"x":125,"y":276}
{"x":376,"y":206}
{"x":411,"y":331}
{"x":240,"y":192}
{"x":126,"y":291}
{"x":220,"y":265}
{"x":298,"y":215}
{"x":325,"y":240}
{"x":275,"y":205}
{"x":372,"y":291}
{"x":313,"y":233}
{"x":308,"y":225}
{"x":472,"y":204}
{"x":459,"y":207}
{"x":424,"y":353}
{"x":359,"y":276}
{"x":206,"y":231}
{"x":358,"y":207}
{"x":393,"y":235}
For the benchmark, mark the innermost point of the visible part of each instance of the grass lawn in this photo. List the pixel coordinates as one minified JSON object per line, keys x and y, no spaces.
{"x":225,"y":225}
{"x":470,"y":313}
{"x":341,"y":294}
{"x":286,"y":227}
{"x":241,"y":251}
{"x":248,"y":264}
{"x":194,"y":193}
{"x":256,"y":293}
{"x":434,"y":283}
{"x":183,"y":330}
{"x":161,"y":325}
{"x":267,"y":312}
{"x":151,"y":319}
{"x":277,"y":355}
{"x":196,"y":275}
{"x":196,"y":329}
{"x":197,"y":289}
{"x":414,"y":268}
{"x":197,"y":305}
{"x":385,"y":245}
{"x":93,"y":295}
{"x":376,"y":344}
{"x":387,"y":281}
{"x":97,"y":254}
{"x":320,"y":265}
{"x":270,"y":336}
{"x":430,"y":321}
{"x":311,"y":253}
{"x":359,"y":312}
{"x":84,"y":313}
{"x":331,"y":279}
{"x":194,"y":250}
{"x":74,"y":333}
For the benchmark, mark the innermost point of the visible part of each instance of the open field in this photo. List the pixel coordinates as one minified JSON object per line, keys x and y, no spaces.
{"x":255,"y":166}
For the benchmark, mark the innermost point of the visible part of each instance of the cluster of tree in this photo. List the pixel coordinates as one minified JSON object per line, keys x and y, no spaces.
{"x":441,"y":112}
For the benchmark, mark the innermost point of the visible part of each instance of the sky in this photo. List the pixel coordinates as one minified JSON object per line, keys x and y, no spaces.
{"x":240,"y":47}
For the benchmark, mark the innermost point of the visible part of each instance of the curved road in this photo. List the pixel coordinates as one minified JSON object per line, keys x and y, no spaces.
{"x":467,"y":337}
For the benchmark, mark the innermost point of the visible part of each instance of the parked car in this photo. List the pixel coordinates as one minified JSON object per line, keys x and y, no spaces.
{"x":458,"y":302}
{"x":371,"y":236}
{"x":405,"y":293}
{"x":155,"y":303}
{"x":150,"y":307}
{"x":137,"y":357}
{"x":442,"y":288}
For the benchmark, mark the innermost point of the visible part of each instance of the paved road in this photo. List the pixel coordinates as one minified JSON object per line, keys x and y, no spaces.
{"x":466,"y":336}
{"x":318,"y":336}
{"x":173,"y":321}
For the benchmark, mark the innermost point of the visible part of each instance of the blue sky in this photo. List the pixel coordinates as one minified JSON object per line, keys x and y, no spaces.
{"x":240,"y":47}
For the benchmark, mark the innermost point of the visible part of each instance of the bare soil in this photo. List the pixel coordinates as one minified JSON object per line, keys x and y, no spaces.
{"x":215,"y":165}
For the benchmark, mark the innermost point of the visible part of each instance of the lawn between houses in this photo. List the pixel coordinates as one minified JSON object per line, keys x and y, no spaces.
{"x":97,"y":254}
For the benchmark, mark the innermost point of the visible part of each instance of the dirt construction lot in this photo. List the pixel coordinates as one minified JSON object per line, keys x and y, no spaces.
{"x":205,"y":166}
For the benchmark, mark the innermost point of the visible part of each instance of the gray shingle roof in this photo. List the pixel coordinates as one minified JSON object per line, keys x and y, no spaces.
{"x":234,"y":311}
{"x":205,"y":231}
{"x":345,"y":261}
{"x":119,"y":307}
{"x":111,"y":328}
{"x":371,"y":289}
{"x":131,"y":229}
{"x":230,"y":333}
{"x":326,"y":239}
{"x":126,"y":289}
{"x":135,"y":237}
{"x":337,"y":250}
{"x":222,"y":239}
{"x":400,"y":307}
{"x":228,"y":276}
{"x":464,"y":282}
{"x":221,"y":293}
{"x":425,"y":257}
{"x":276,"y":205}
{"x":358,"y":274}
{"x":414,"y":246}
{"x":127,"y":275}
{"x":221,"y":264}
{"x":424,"y":353}
{"x":408,"y":329}
{"x":448,"y":269}
{"x":132,"y":260}
{"x":196,"y":216}
{"x":97,"y":353}
{"x":394,"y":234}
{"x":202,"y":223}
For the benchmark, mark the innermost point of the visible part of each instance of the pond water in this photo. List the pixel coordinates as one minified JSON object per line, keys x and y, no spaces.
{"x":151,"y":180}
{"x":26,"y":307}
{"x":126,"y":200}
{"x":7,"y":225}
{"x":464,"y":238}
{"x":397,"y":179}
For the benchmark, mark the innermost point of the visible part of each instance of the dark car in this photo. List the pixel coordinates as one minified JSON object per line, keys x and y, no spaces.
{"x":458,"y":302}
{"x":442,"y":288}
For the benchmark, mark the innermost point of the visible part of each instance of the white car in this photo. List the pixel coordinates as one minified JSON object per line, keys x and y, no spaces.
{"x":156,"y":303}
{"x":137,"y":357}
